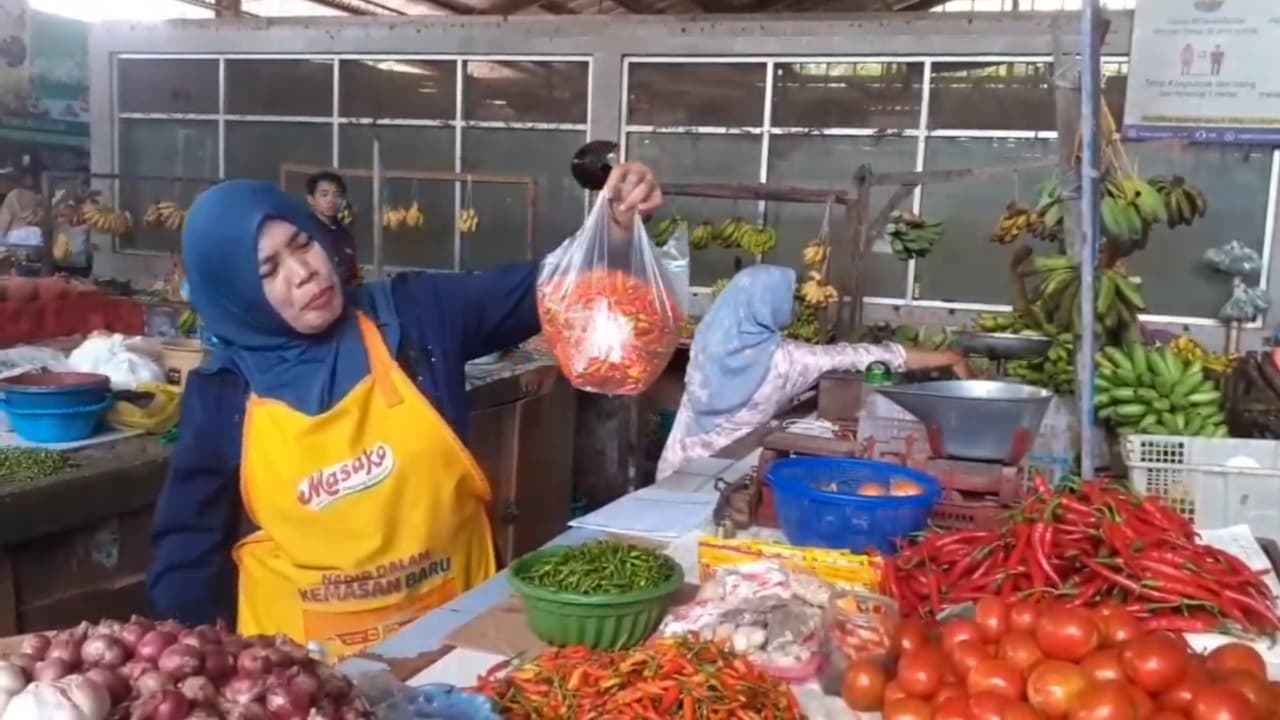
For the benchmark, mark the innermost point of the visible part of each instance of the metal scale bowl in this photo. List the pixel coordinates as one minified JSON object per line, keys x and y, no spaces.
{"x":1001,"y":347}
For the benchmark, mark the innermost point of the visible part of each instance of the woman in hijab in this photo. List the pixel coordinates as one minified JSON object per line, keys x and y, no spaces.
{"x":742,"y":372}
{"x":335,"y":420}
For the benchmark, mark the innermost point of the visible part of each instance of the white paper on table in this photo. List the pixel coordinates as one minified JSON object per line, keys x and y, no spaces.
{"x":653,"y":513}
{"x":459,"y":668}
{"x":1238,"y":540}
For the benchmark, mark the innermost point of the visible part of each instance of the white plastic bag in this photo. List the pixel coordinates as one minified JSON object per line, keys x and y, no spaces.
{"x":674,"y":259}
{"x":23,"y":358}
{"x":111,"y":355}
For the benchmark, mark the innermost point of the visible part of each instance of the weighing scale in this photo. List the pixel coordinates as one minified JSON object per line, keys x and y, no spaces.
{"x":979,"y":432}
{"x":1001,"y":347}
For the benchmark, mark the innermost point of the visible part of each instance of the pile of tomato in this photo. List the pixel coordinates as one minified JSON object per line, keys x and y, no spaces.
{"x":1050,"y":660}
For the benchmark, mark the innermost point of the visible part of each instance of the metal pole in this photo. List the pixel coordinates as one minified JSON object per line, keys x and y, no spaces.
{"x":377,"y":209}
{"x":1090,"y":78}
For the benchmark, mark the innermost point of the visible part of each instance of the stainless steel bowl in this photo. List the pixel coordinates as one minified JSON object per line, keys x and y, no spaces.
{"x":982,"y":420}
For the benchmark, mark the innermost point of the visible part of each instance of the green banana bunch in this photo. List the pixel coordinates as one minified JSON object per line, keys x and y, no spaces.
{"x":1001,"y":323}
{"x":663,"y":230}
{"x":703,"y":235}
{"x":1130,"y":206}
{"x":805,"y":327}
{"x":758,"y":240}
{"x":729,"y":233}
{"x":1152,"y":391}
{"x":1055,"y":371}
{"x":920,"y":337}
{"x":1117,"y":297}
{"x":188,"y":323}
{"x":1183,"y":203}
{"x":718,"y":287}
{"x":911,"y":236}
{"x":1050,"y":211}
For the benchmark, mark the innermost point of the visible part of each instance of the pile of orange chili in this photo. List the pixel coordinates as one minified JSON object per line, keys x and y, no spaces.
{"x":680,"y":678}
{"x":612,"y":332}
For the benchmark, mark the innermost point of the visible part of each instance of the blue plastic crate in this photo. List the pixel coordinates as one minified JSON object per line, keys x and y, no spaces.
{"x":817,"y":506}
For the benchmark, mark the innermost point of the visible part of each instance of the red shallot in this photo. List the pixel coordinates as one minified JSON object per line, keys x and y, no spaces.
{"x":181,"y":661}
{"x":116,"y":685}
{"x":51,"y":670}
{"x":204,"y":713}
{"x":36,"y":645}
{"x":153,"y":644}
{"x":109,"y":627}
{"x":218,"y":663}
{"x":242,"y":689}
{"x":164,"y":705}
{"x":151,"y":682}
{"x":65,"y":646}
{"x":132,"y":633}
{"x":245,"y":711}
{"x":135,"y":669}
{"x":199,"y":690}
{"x":254,"y":662}
{"x":287,"y":704}
{"x":104,"y":651}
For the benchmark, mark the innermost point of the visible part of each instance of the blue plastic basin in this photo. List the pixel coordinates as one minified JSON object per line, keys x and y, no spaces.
{"x":818,"y":506}
{"x":56,"y":426}
{"x":44,"y":390}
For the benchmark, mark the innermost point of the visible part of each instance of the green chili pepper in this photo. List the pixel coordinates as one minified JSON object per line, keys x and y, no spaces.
{"x":603,"y":567}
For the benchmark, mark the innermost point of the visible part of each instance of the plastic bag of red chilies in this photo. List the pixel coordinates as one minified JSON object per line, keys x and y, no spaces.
{"x":608,"y":311}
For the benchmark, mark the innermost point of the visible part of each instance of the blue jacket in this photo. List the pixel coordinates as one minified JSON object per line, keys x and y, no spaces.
{"x":446,"y":320}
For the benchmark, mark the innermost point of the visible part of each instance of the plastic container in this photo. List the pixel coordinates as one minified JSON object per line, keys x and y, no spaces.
{"x":817,"y":505}
{"x":1214,"y":482}
{"x":57,"y":426}
{"x":181,"y":356}
{"x":603,"y":622}
{"x":857,"y":626}
{"x":46,"y":390}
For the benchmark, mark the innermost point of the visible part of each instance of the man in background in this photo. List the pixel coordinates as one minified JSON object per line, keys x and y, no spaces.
{"x":327,"y":195}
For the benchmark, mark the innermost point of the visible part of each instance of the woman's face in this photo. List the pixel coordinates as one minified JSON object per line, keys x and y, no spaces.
{"x":297,"y":277}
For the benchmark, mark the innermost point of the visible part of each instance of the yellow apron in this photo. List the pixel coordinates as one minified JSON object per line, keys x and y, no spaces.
{"x":371,"y":513}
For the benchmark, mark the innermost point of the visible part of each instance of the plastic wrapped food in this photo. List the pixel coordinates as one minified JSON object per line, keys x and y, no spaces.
{"x":608,"y":312}
{"x":769,"y":614}
{"x":1233,"y":259}
{"x":858,"y":626}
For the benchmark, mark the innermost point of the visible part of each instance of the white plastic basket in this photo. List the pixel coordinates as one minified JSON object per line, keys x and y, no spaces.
{"x":1214,"y":482}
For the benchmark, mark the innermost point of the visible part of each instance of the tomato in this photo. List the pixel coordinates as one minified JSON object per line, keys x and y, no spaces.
{"x":894,"y":691}
{"x":988,"y":706}
{"x":1167,"y":715}
{"x":992,"y":617}
{"x":1023,"y":616}
{"x":920,"y":673}
{"x":905,"y":487}
{"x":1020,"y":649}
{"x":1155,"y":662}
{"x":1055,"y":687}
{"x":1118,"y":627}
{"x":1068,"y":634}
{"x":1221,"y":703}
{"x":1236,"y":656}
{"x":912,"y":635}
{"x":948,"y":691}
{"x":1252,"y":686}
{"x":1020,"y":711}
{"x":1108,"y":607}
{"x":953,"y":708}
{"x":1178,"y":697}
{"x":1103,"y":665}
{"x":1142,"y":702}
{"x":1105,"y":701}
{"x":907,"y":709}
{"x":997,"y":677}
{"x":965,"y":655}
{"x":863,"y":687}
{"x":953,"y":631}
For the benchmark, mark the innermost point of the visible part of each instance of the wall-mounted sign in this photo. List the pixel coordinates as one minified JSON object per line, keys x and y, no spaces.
{"x":1207,"y":70}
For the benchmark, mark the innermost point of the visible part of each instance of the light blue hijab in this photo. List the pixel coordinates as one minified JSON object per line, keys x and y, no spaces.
{"x":735,"y":342}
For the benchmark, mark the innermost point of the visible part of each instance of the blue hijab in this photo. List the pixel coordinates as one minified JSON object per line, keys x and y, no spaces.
{"x":310,"y":373}
{"x":735,"y":342}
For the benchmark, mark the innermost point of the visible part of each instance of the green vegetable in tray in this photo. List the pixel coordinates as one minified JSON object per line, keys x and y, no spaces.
{"x":603,"y":567}
{"x":27,"y":464}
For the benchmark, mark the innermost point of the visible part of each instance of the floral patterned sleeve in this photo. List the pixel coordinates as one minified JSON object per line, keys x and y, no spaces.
{"x":802,"y":363}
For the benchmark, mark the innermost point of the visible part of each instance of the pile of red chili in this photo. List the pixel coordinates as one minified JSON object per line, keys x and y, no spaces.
{"x":1089,"y":542}
{"x":680,"y":678}
{"x":612,"y":332}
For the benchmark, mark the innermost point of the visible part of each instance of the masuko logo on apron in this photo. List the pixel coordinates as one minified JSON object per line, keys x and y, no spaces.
{"x":368,"y":468}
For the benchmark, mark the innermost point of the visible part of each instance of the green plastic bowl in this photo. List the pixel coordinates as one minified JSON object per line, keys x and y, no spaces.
{"x":603,"y":622}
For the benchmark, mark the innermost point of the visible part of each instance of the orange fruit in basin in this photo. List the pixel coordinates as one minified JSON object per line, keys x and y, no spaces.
{"x":901,"y":487}
{"x":871,"y":488}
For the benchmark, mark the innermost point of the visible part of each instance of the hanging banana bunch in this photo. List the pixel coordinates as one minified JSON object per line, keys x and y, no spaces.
{"x":816,"y":253}
{"x":347,"y":214}
{"x":1117,"y":298}
{"x":468,"y":218}
{"x":394,"y":218}
{"x":1017,"y":219}
{"x":1050,"y":211}
{"x":165,"y":215}
{"x":1129,"y":207}
{"x":414,"y":217}
{"x":663,"y":230}
{"x":911,"y":236}
{"x":729,"y":233}
{"x":758,"y":240}
{"x":816,"y":292}
{"x":104,"y":218}
{"x":702,"y":236}
{"x":1183,"y":203}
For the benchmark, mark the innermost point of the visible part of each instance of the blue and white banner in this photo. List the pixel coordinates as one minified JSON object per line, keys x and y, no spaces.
{"x":1205,"y":70}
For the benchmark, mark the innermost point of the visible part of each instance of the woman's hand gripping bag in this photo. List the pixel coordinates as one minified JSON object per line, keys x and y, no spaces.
{"x":609,"y":313}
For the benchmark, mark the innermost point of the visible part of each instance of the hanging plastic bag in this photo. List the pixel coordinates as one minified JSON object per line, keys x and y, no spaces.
{"x":608,"y":312}
{"x":673,"y":257}
{"x":1234,"y":259}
